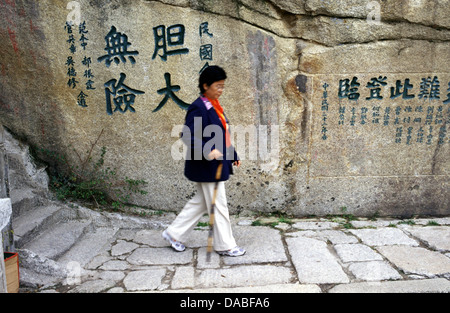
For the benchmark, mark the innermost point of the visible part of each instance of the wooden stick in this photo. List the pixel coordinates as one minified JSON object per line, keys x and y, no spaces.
{"x":211,"y":215}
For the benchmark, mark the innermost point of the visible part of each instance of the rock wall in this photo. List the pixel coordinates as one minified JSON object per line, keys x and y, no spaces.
{"x":333,"y":104}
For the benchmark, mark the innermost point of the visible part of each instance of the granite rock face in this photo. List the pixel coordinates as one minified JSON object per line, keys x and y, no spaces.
{"x":332,"y":104}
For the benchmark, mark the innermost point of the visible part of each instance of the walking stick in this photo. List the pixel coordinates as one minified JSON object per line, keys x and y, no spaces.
{"x":211,"y":215}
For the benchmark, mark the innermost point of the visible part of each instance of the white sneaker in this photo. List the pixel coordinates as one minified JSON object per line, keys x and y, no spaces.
{"x":236,"y":251}
{"x":177,"y":246}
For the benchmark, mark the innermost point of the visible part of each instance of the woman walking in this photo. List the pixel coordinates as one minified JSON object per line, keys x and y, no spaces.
{"x":205,"y":117}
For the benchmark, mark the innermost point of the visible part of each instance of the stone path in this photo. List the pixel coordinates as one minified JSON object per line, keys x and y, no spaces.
{"x":116,"y":254}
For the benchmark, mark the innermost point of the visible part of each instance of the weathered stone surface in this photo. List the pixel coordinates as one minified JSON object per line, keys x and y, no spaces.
{"x":123,"y":247}
{"x":251,"y":275}
{"x":155,"y":256}
{"x":374,"y":271}
{"x":23,"y":170}
{"x":5,"y":212}
{"x":144,"y":280}
{"x":437,"y":237}
{"x":112,"y":275}
{"x":150,"y":237}
{"x":438,"y":285}
{"x":3,"y":283}
{"x":384,"y":237}
{"x":184,"y":277}
{"x":55,"y":241}
{"x":332,"y":31}
{"x":262,"y":244}
{"x":115,"y":265}
{"x":278,"y":55}
{"x":93,"y":286}
{"x":356,"y":253}
{"x":88,"y":246}
{"x":314,"y":225}
{"x":314,"y":262}
{"x":371,"y":58}
{"x":40,"y":264}
{"x":416,"y":260}
{"x":334,"y":236}
{"x":278,"y":288}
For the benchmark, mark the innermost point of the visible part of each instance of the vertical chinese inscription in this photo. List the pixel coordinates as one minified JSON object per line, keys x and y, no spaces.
{"x":206,"y":50}
{"x":324,"y":109}
{"x":119,"y":97}
{"x":413,"y":107}
{"x":86,"y":61}
{"x":71,"y":73}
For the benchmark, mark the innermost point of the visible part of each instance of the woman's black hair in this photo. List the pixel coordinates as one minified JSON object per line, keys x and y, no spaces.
{"x":210,"y":75}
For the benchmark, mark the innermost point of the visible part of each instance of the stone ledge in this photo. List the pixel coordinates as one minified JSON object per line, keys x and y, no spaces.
{"x":439,"y":285}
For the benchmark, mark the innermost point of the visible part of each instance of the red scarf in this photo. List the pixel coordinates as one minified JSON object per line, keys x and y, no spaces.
{"x":219,"y":110}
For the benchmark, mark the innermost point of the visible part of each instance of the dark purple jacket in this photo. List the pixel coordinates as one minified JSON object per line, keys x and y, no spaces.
{"x":204,"y":132}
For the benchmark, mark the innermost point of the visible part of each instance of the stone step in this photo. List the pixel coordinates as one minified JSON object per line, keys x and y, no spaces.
{"x":88,"y":246}
{"x":25,"y":200}
{"x":36,"y":270}
{"x":27,"y":226}
{"x":58,"y":238}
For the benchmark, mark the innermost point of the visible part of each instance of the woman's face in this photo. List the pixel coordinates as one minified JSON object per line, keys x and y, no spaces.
{"x":214,"y":91}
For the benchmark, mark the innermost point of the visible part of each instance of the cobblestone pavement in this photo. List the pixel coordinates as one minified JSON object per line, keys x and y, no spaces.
{"x":283,"y":256}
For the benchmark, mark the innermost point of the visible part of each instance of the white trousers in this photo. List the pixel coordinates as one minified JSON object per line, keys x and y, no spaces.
{"x":195,"y":208}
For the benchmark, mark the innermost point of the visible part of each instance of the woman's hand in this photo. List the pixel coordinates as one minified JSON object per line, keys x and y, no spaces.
{"x":237,"y":163}
{"x":215,"y":154}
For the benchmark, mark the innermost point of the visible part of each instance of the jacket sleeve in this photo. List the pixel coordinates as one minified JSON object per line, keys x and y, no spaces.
{"x":193,"y":130}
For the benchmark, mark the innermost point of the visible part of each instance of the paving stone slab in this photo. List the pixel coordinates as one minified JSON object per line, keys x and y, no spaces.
{"x":115,"y":265}
{"x":314,"y":262}
{"x":126,"y":234}
{"x":374,"y":271}
{"x":417,"y":260}
{"x":426,"y":221}
{"x":384,"y":237}
{"x":436,"y":237}
{"x":123,"y":247}
{"x":150,"y":237}
{"x":144,"y":279}
{"x":184,"y":277}
{"x":316,"y":225}
{"x":377,"y":223}
{"x":94,"y":286}
{"x":160,"y":256}
{"x":334,"y":236}
{"x":97,"y":261}
{"x":277,"y":288}
{"x":153,"y":237}
{"x":262,"y":245}
{"x":438,"y":285}
{"x":112,"y":275}
{"x":356,"y":253}
{"x":247,"y":275}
